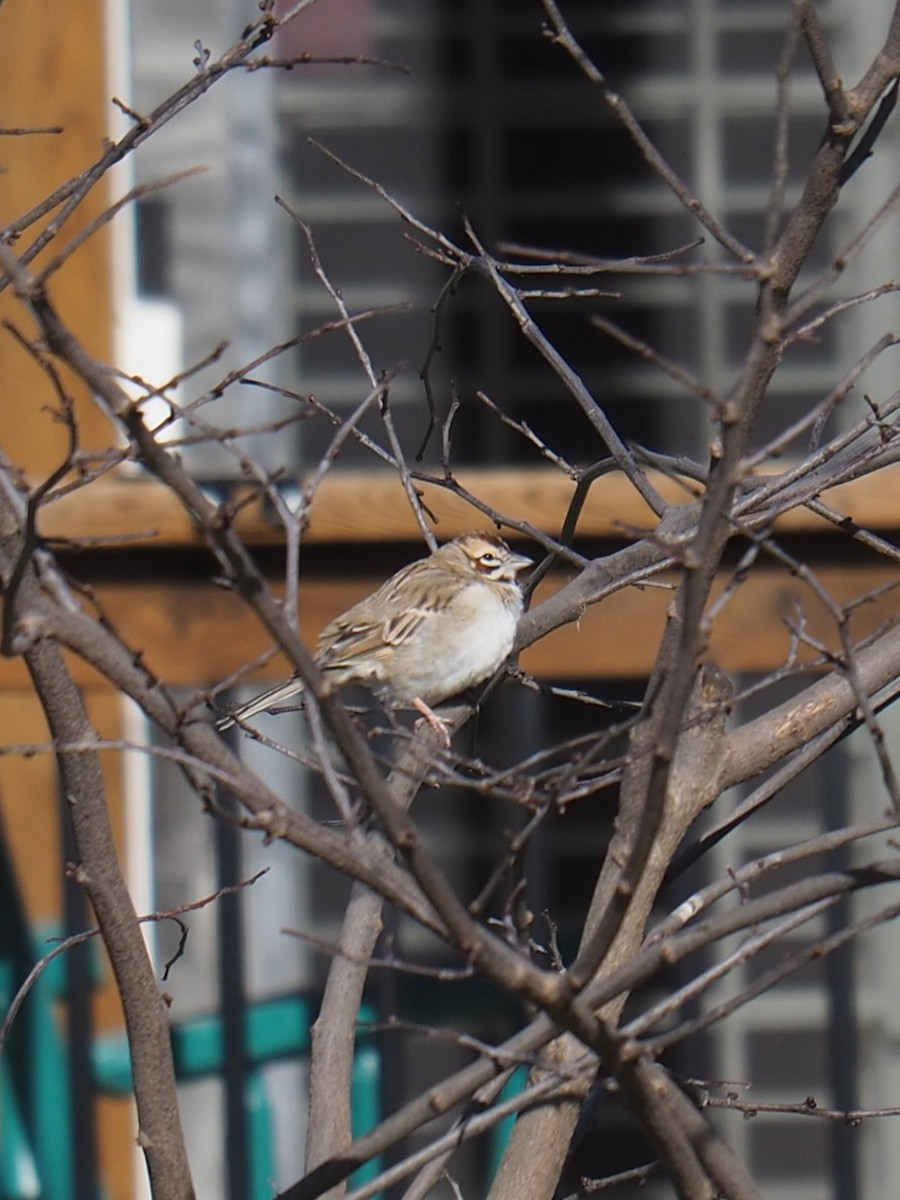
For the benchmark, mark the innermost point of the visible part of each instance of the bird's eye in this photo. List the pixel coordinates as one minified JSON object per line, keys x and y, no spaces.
{"x":489,"y":560}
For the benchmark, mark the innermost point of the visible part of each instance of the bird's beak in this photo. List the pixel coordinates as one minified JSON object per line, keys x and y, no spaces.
{"x":518,"y":562}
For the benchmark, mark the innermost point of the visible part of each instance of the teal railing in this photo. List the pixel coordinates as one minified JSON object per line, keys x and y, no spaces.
{"x":37,"y":1160}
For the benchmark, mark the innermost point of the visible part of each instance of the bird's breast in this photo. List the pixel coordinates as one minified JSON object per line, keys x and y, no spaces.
{"x":459,"y":647}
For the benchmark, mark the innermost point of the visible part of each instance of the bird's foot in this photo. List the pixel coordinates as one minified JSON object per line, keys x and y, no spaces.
{"x":437,"y":723}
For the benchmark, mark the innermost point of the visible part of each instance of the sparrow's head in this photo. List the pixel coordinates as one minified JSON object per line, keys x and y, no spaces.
{"x":485,"y":556}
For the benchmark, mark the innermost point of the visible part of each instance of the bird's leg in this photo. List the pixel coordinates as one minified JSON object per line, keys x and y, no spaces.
{"x":433,"y":720}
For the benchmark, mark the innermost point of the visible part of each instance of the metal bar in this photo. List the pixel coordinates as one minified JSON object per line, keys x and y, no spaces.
{"x":233,"y":1005}
{"x":82,"y":1115}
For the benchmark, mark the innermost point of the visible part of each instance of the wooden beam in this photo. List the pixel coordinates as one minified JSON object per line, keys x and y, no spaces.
{"x":371,"y":506}
{"x":193,"y":634}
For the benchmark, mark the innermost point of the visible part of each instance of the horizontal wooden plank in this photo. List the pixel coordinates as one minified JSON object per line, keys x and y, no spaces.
{"x":372,"y":506}
{"x":194,"y":634}
{"x":350,"y":506}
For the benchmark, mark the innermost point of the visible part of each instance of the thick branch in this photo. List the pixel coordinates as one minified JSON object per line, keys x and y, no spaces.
{"x":146,"y":1020}
{"x":771,"y":737}
{"x":333,"y":1034}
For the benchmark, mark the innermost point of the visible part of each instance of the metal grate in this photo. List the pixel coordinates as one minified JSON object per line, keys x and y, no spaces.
{"x":494,"y":119}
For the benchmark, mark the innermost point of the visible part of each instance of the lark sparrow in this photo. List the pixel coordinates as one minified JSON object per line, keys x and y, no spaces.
{"x":437,"y":627}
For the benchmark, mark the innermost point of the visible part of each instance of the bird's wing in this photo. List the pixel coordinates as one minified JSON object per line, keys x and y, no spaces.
{"x":347,"y":641}
{"x":386,"y":619}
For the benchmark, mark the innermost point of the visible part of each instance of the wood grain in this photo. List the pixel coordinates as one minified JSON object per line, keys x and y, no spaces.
{"x":194,"y":634}
{"x":56,"y":76}
{"x":371,"y":506}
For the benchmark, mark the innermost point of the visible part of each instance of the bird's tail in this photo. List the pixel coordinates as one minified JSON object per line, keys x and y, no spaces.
{"x":263,"y":702}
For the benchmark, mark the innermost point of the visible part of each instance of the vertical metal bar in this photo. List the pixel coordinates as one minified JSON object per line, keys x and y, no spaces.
{"x":80,"y":1027}
{"x":708,"y":121}
{"x":233,"y":1004}
{"x":840,"y":975}
{"x":491,"y":201}
{"x":256,"y":283}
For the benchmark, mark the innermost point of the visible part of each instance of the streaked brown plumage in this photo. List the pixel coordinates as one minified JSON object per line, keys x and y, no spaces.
{"x":437,"y":627}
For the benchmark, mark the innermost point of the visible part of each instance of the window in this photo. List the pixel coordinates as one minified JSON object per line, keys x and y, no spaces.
{"x":491,"y":118}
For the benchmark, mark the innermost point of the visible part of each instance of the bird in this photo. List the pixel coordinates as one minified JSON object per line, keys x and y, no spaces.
{"x":441,"y":625}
